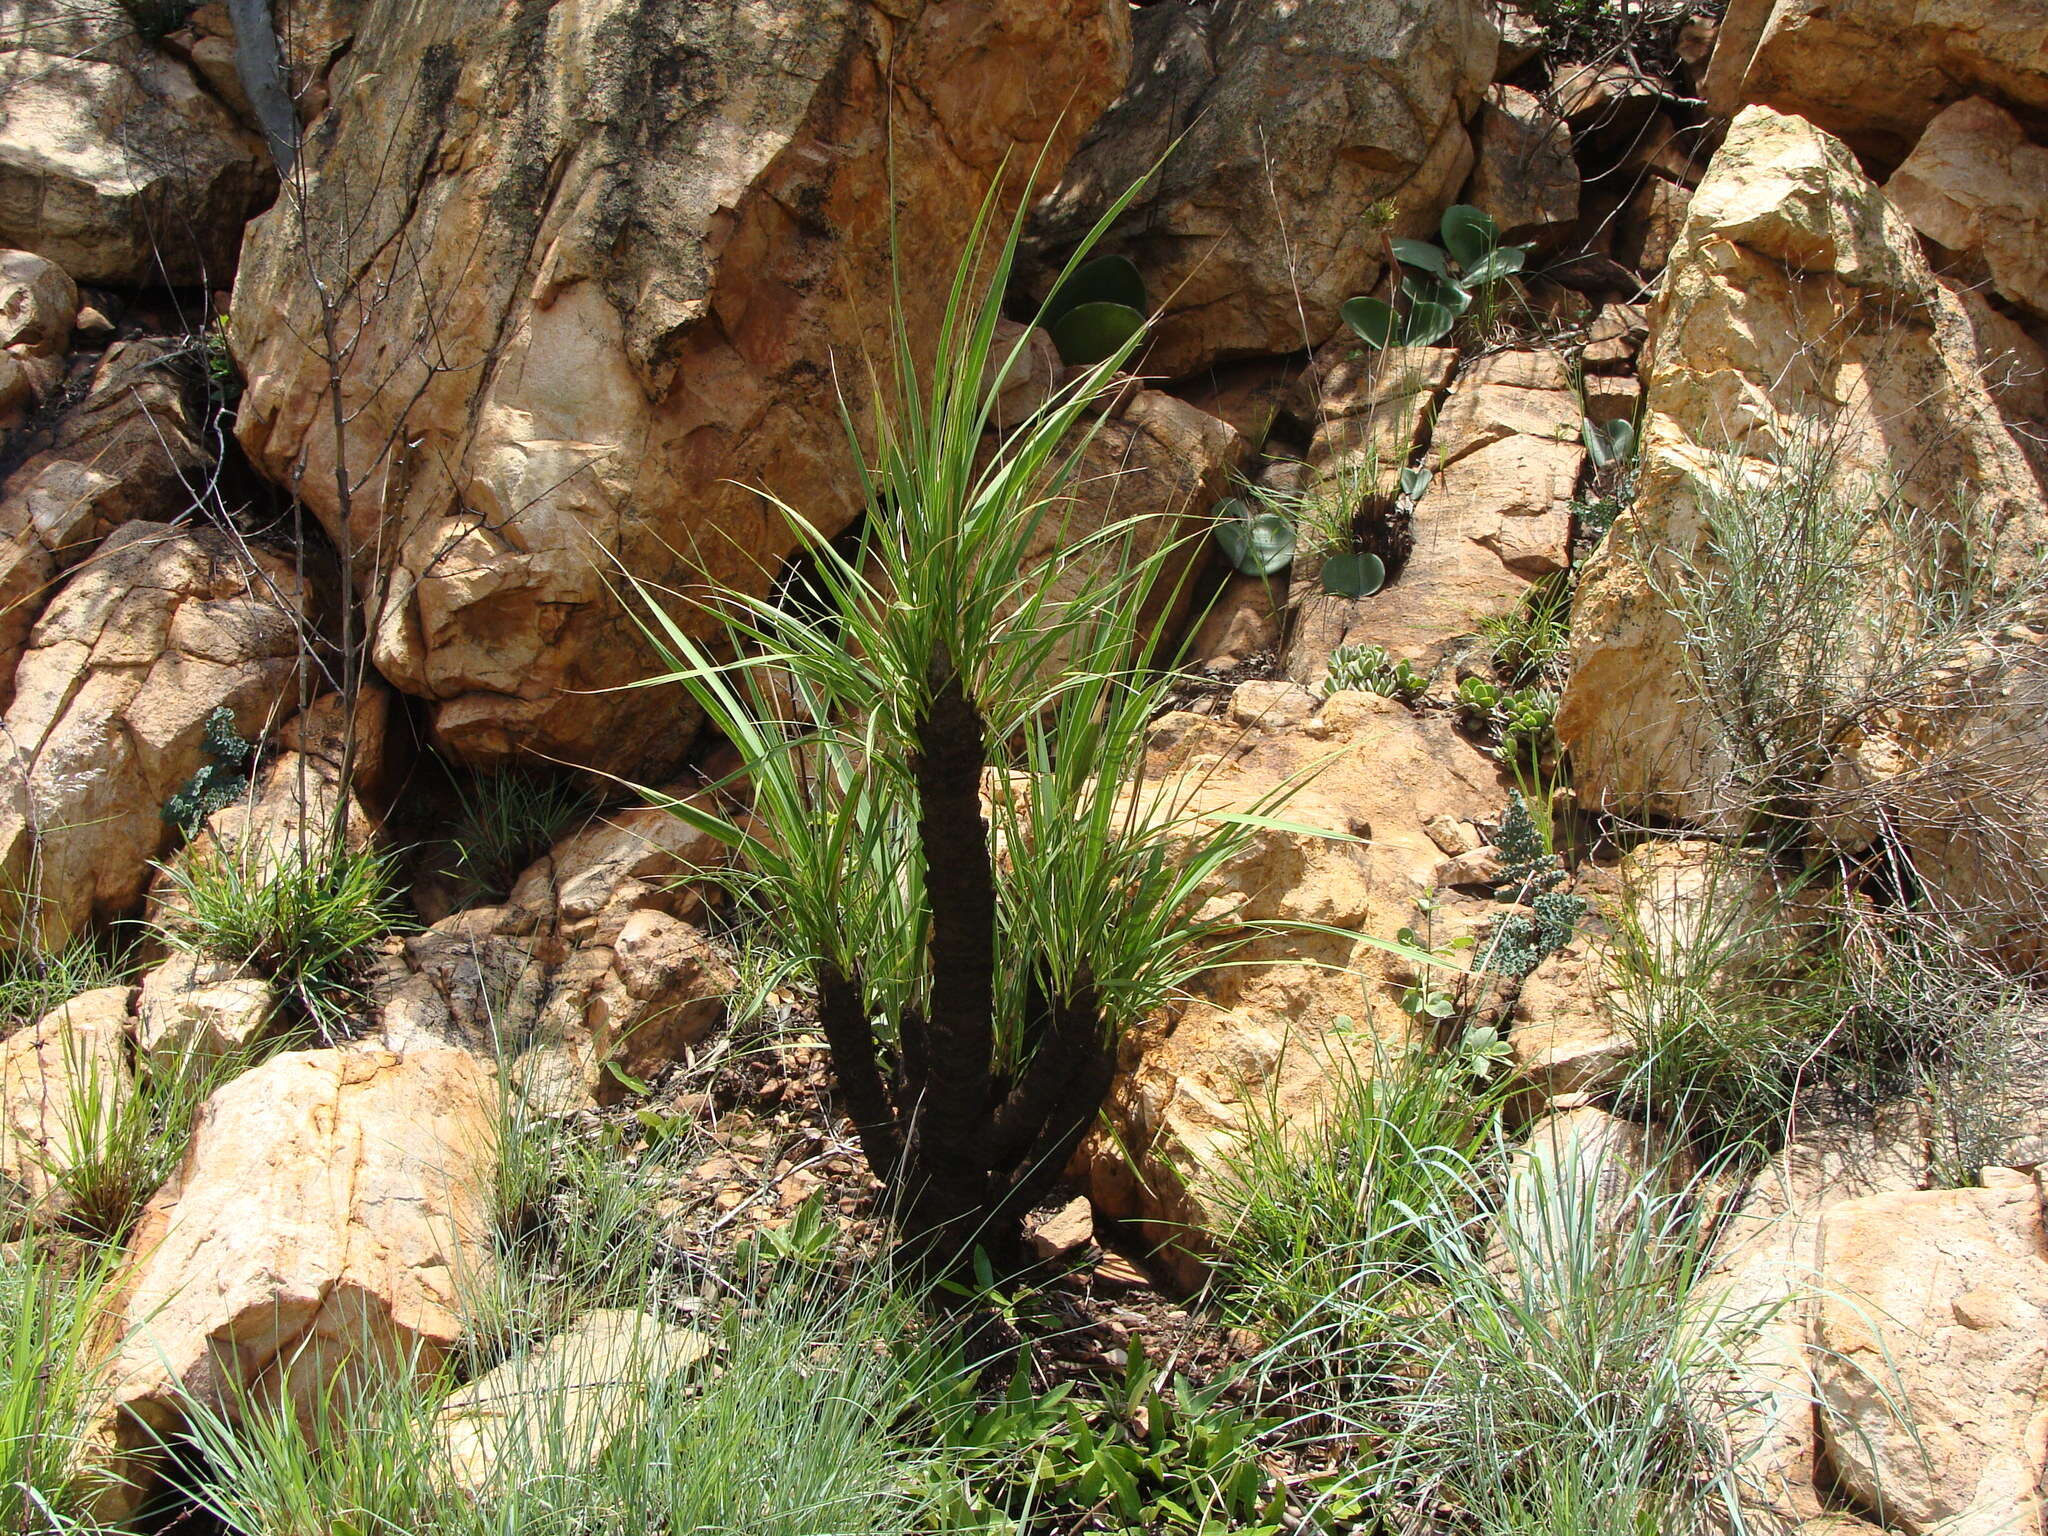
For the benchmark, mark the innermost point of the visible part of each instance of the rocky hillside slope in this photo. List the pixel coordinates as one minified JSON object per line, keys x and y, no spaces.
{"x":1656,"y":652}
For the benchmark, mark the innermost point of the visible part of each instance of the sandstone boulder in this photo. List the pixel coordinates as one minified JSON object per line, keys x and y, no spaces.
{"x":62,"y":1080}
{"x":1293,"y":127}
{"x":1875,"y":72}
{"x":1264,"y":1034}
{"x":38,"y":302}
{"x":1759,"y":1287}
{"x":115,"y":161}
{"x":1496,"y":517}
{"x":560,"y":1406}
{"x":1570,"y":1038}
{"x":586,"y":980}
{"x":1797,"y":315}
{"x":645,"y":244}
{"x":161,"y":628}
{"x":1977,"y":186}
{"x":1931,"y":1340}
{"x":130,"y":450}
{"x":329,"y":1212}
{"x":193,"y":1011}
{"x":1524,"y":175}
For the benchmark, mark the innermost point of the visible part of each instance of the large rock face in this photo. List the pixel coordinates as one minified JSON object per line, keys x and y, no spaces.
{"x":598,"y":271}
{"x":1875,"y":71}
{"x":1797,"y":309}
{"x":1288,"y":126}
{"x":331,"y":1207}
{"x":115,"y":162}
{"x":163,"y":627}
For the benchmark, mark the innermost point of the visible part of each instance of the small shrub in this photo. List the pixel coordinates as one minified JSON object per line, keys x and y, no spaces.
{"x":218,"y":783}
{"x":508,"y":819}
{"x":1555,"y":1381}
{"x":31,"y":984}
{"x":305,"y":919}
{"x":1333,"y":1210}
{"x":1531,"y":642}
{"x":1530,"y":876}
{"x":121,"y":1142}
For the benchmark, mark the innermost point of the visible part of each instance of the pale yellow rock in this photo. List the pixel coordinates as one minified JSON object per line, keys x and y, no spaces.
{"x":1977,"y":185}
{"x":1759,"y":1291}
{"x":1496,"y":516}
{"x":129,"y":450}
{"x":115,"y":162}
{"x":1875,"y":72}
{"x":1797,"y":307}
{"x":557,"y":1409}
{"x":1296,"y":128}
{"x":193,"y":1011}
{"x":62,"y":1082}
{"x":1060,"y":1233}
{"x":143,"y":643}
{"x":38,"y":303}
{"x":1569,"y":1035}
{"x":1263,"y":1035}
{"x":329,"y":1211}
{"x":1932,"y":1358}
{"x":631,"y":330}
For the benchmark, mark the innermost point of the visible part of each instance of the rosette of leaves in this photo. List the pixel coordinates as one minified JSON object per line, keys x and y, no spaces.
{"x":1444,"y":282}
{"x":1096,"y":310}
{"x":1258,"y":541}
{"x":1608,"y":442}
{"x":1369,"y":669}
{"x":1527,"y":722}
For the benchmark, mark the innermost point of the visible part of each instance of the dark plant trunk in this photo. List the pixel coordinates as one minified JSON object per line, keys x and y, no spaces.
{"x":966,"y":1152}
{"x":950,"y":1198}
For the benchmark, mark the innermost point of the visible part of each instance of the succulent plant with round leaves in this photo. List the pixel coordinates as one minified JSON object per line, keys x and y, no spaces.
{"x":1468,"y":263}
{"x":1099,"y":307}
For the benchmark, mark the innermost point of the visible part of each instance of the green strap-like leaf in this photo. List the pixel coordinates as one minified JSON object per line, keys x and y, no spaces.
{"x":1497,"y":264}
{"x":1423,"y":256}
{"x":1469,"y":233}
{"x":1426,"y":324}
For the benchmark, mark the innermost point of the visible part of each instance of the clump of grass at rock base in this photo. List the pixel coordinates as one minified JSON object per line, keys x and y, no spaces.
{"x":971,"y":1002}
